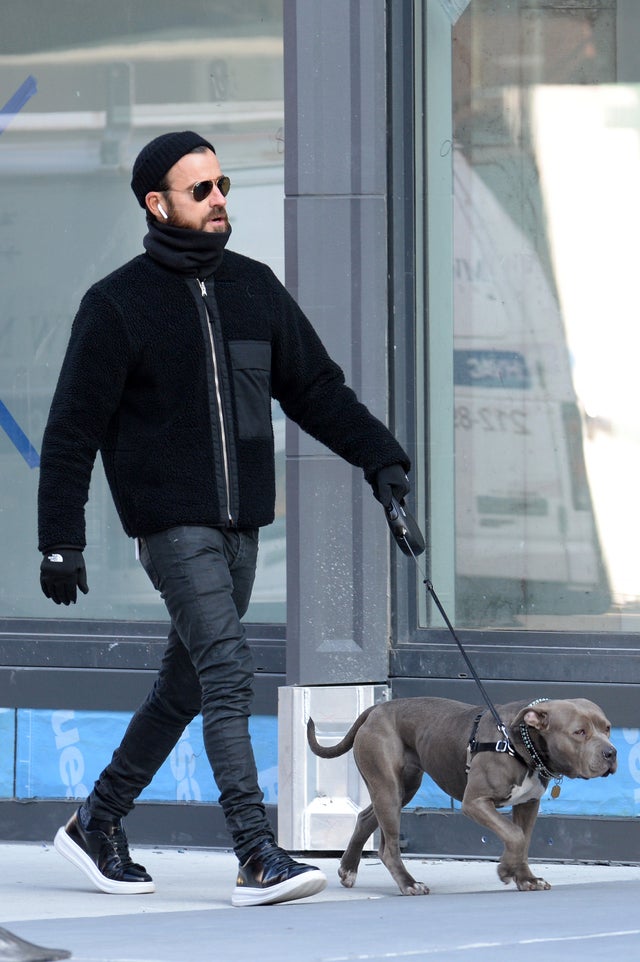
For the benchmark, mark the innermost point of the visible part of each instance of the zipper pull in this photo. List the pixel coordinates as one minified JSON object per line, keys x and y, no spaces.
{"x":203,"y":289}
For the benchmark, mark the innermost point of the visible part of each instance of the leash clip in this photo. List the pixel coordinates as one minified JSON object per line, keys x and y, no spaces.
{"x":503,"y":745}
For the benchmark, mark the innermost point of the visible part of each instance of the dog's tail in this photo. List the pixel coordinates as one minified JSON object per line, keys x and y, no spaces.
{"x":333,"y":751}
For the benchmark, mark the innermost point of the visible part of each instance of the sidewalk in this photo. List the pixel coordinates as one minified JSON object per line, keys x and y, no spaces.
{"x":47,"y":901}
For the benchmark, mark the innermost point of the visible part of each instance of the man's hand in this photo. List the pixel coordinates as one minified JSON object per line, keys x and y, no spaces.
{"x":391,"y":482}
{"x":62,"y":572}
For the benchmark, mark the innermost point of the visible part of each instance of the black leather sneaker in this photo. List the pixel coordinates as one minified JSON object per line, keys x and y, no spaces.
{"x":270,"y":875}
{"x":101,"y":851}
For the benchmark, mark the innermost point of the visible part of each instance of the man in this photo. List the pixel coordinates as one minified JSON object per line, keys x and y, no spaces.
{"x":170,"y":369}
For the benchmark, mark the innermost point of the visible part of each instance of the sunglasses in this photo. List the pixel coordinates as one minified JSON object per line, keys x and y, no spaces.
{"x":203,"y":188}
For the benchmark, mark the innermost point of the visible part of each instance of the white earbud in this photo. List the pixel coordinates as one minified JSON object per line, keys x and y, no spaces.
{"x":163,"y":211}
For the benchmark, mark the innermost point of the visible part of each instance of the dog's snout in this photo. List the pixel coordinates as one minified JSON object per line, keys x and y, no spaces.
{"x":610,"y":756}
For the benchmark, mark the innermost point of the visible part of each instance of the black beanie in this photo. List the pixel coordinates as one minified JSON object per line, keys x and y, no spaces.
{"x":159,"y":156}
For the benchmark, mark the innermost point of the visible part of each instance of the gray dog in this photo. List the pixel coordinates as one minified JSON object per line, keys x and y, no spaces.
{"x":464,"y":752}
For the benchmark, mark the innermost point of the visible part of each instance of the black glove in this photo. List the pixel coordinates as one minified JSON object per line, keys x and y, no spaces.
{"x":390,"y":482}
{"x":62,"y":571}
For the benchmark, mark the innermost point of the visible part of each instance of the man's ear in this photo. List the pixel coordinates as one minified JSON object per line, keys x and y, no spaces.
{"x":154,"y":205}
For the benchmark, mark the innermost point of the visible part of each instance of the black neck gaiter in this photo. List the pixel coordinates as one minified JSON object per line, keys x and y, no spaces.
{"x":195,"y":253}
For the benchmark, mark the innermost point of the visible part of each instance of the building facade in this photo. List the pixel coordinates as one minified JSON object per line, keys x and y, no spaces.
{"x":448,"y":187}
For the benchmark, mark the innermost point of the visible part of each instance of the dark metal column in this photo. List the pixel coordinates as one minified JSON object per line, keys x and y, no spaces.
{"x":336,"y":260}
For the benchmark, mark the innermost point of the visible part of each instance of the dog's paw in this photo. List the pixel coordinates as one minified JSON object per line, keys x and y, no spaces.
{"x":347,"y":877}
{"x":521,"y":874}
{"x":416,"y":888}
{"x":506,"y":874}
{"x":532,"y":884}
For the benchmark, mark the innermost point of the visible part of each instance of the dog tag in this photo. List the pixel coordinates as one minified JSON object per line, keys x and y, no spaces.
{"x":555,"y":791}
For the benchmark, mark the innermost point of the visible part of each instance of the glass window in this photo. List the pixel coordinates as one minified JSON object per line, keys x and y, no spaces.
{"x":84,"y":88}
{"x":531,"y":204}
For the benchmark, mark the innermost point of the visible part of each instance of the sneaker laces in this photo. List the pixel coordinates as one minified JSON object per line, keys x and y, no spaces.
{"x":120,"y":845}
{"x":276,"y":860}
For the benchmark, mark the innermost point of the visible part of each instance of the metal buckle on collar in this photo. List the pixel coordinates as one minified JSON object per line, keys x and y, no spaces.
{"x":503,"y":745}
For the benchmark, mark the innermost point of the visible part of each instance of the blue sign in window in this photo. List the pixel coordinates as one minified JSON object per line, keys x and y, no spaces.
{"x":59,"y":754}
{"x":495,"y":369}
{"x":7,"y":759}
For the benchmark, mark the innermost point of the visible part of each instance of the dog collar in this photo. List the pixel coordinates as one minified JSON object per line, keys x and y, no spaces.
{"x":538,"y":764}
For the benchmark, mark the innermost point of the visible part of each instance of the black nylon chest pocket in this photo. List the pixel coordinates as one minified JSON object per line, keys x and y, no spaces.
{"x":251,"y":365}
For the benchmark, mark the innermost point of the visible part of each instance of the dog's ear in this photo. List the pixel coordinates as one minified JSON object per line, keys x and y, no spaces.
{"x":535,"y":717}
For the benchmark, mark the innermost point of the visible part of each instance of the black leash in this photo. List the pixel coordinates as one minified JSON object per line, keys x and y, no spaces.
{"x":474,"y":673}
{"x":410,"y":541}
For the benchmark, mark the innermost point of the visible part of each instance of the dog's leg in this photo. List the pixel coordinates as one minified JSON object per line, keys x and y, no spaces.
{"x":515,"y":833}
{"x":389,"y":798}
{"x":525,"y":817}
{"x":390,"y":855}
{"x":366,"y":825}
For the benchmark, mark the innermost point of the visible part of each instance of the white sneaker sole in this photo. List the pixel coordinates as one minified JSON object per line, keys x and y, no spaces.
{"x":74,"y":854}
{"x":299,"y":887}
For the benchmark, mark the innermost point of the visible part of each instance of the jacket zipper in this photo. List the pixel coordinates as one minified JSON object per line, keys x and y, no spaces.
{"x":223,"y":432}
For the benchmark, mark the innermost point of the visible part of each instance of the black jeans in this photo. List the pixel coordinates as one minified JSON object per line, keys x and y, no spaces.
{"x":205,"y":576}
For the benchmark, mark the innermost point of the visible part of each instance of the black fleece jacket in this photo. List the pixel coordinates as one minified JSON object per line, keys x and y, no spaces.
{"x":173,"y":386}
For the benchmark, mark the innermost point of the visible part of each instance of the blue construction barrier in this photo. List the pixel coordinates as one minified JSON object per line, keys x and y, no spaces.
{"x":59,"y":754}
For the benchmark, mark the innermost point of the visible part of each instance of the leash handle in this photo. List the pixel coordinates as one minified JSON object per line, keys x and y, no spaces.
{"x":490,"y":705}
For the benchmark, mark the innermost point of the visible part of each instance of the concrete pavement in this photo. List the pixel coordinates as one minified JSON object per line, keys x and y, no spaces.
{"x":45,"y":900}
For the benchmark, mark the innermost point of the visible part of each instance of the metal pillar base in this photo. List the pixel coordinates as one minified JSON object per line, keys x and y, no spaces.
{"x":319,"y":799}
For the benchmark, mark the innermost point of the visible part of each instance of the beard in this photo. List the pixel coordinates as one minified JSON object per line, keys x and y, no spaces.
{"x":214,"y":221}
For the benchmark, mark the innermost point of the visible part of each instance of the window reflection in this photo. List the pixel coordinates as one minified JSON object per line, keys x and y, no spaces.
{"x":101,"y":86}
{"x":545,"y":200}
